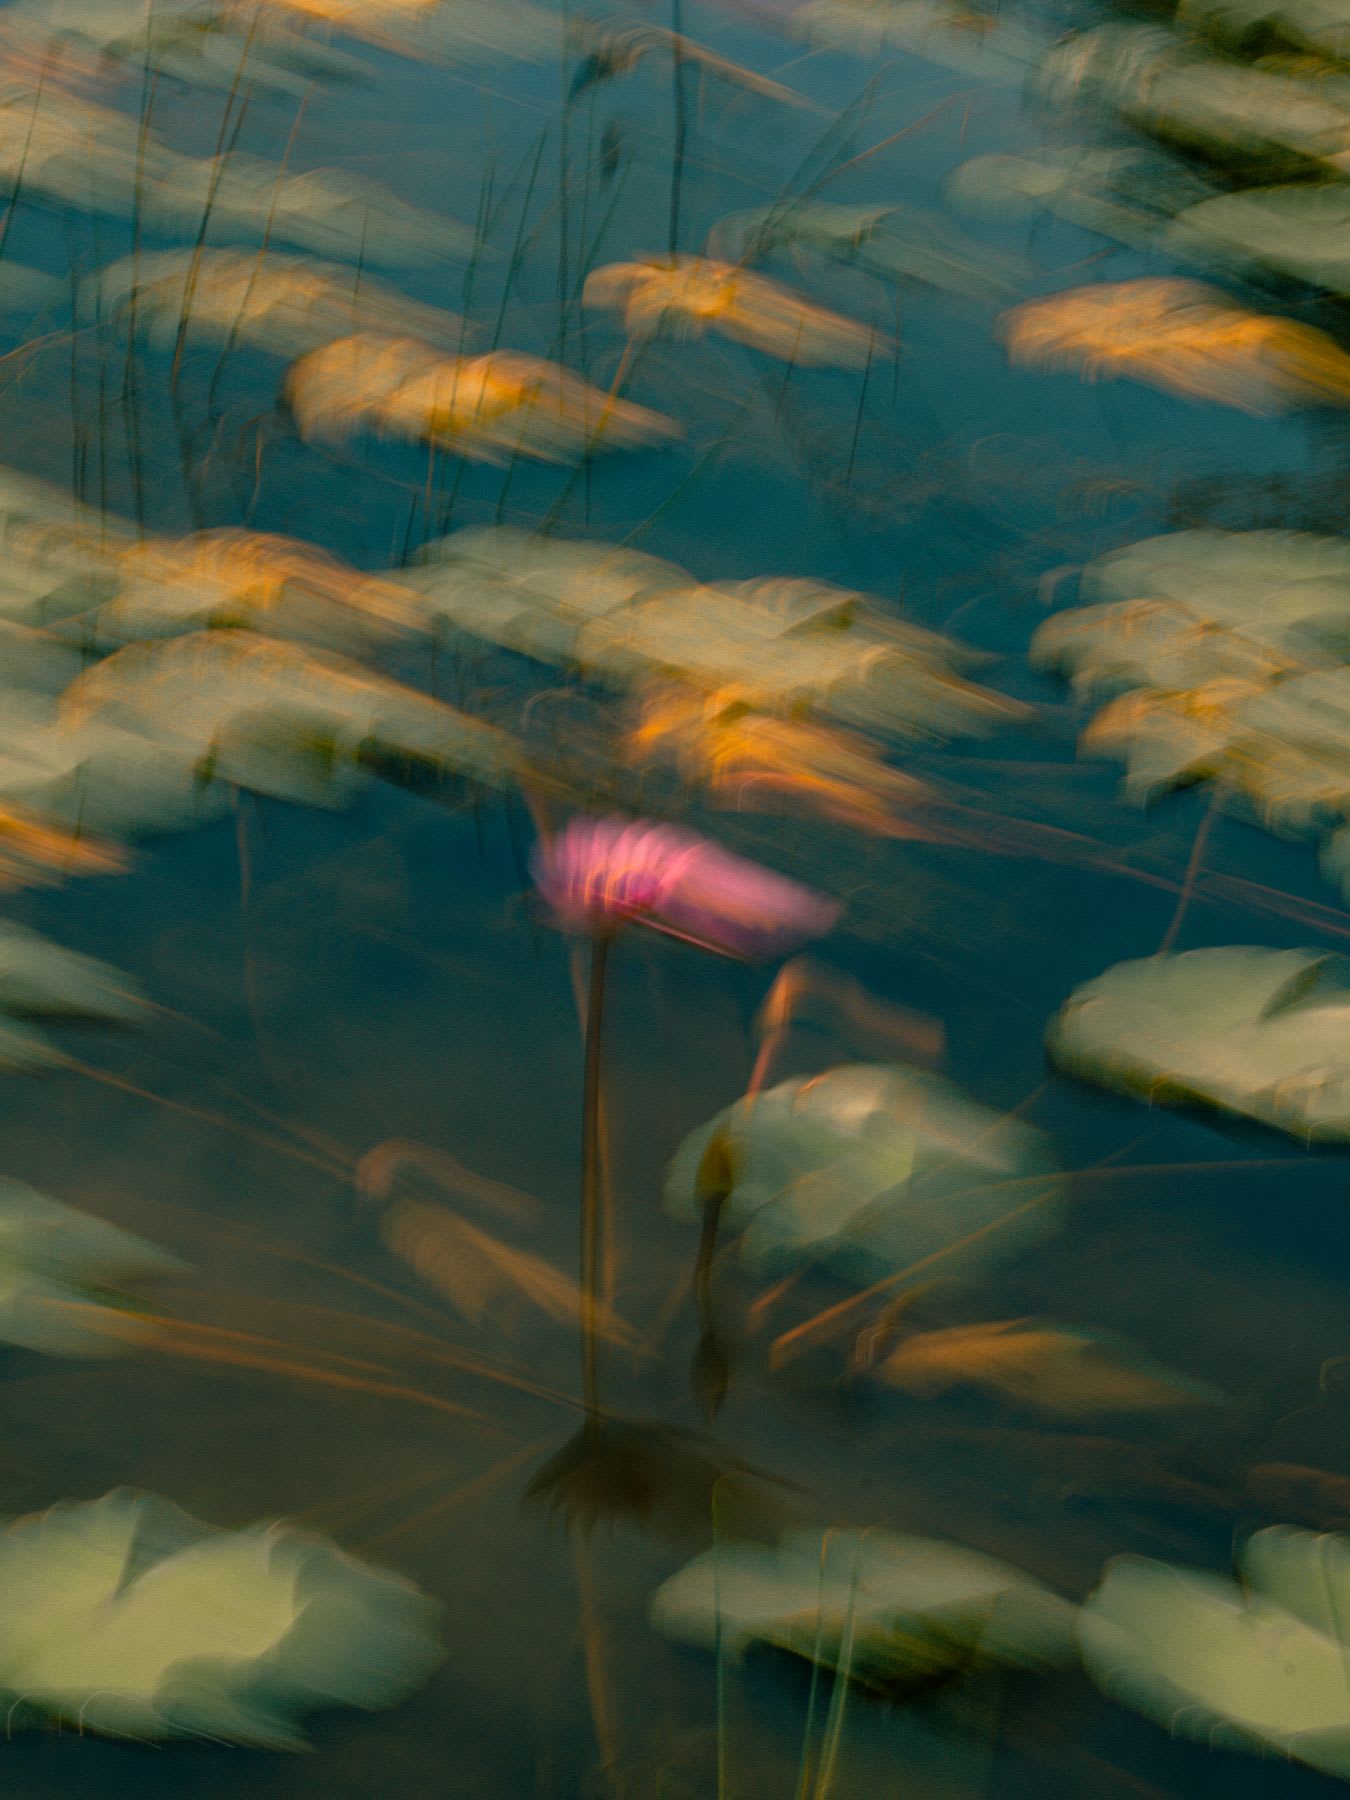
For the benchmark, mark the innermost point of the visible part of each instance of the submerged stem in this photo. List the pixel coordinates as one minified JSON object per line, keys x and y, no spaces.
{"x":590,"y":1177}
{"x":710,"y":1371}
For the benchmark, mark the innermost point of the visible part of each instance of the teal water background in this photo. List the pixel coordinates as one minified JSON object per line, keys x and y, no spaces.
{"x":336,"y":981}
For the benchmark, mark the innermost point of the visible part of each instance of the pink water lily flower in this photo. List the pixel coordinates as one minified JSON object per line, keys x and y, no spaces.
{"x":598,"y":874}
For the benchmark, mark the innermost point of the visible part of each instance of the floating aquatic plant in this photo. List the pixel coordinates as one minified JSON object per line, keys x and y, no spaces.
{"x":782,"y":645}
{"x":1318,"y":26}
{"x":1167,"y":83}
{"x":684,"y":296}
{"x":61,"y":1272}
{"x":1161,"y":645}
{"x":167,"y":587}
{"x":894,"y":243}
{"x":1252,"y":1031}
{"x":127,"y":1616}
{"x":286,"y":305}
{"x":194,"y":41}
{"x":1302,"y":230}
{"x":891,"y":1611}
{"x":300,"y":725}
{"x":754,"y":761}
{"x":1183,"y":337}
{"x":93,"y":158}
{"x":872,"y":1168}
{"x":1129,"y":194}
{"x":1257,"y":1667}
{"x":1265,"y":583}
{"x":490,"y":407}
{"x":43,"y":980}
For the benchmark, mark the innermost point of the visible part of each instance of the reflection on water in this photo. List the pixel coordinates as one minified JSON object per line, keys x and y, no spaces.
{"x":637,"y":612}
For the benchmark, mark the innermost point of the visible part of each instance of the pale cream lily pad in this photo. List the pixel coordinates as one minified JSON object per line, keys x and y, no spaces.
{"x":1262,"y":1033}
{"x":1258,"y":1667}
{"x":286,"y":721}
{"x":872,"y":1169}
{"x":1170,"y":85}
{"x":1300,"y":230}
{"x":127,"y":1616}
{"x":872,"y":1603}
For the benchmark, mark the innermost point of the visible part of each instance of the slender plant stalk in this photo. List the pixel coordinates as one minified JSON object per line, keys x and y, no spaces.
{"x":130,"y":399}
{"x":590,"y":1179}
{"x":224,"y":144}
{"x":710,"y":1370}
{"x":719,"y":1641}
{"x":681,"y":120}
{"x":806,"y":1766}
{"x":687,"y":481}
{"x":233,"y":337}
{"x":834,"y":1725}
{"x":862,"y":402}
{"x":23,"y":162}
{"x":603,"y":1710}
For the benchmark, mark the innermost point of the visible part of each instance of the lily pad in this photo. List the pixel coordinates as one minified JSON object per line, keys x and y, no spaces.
{"x":529,"y":593}
{"x":125,"y":1615}
{"x":283,"y":304}
{"x":280,"y":719}
{"x":248,"y":580}
{"x":774,"y":645}
{"x":1155,"y":644}
{"x":1262,"y":1033}
{"x":1128,"y":194}
{"x":894,"y":243}
{"x":1276,"y":751}
{"x":1259,"y":1667}
{"x":887,"y":1609}
{"x":872,"y":1168}
{"x":183,"y":40}
{"x":1249,"y":26}
{"x":1300,"y":230}
{"x":60,"y":1272}
{"x":685,"y":296}
{"x":45,"y":980}
{"x":93,"y":158}
{"x":1272,"y":585}
{"x":492,"y":407}
{"x":1184,"y":337}
{"x":1169,"y":85}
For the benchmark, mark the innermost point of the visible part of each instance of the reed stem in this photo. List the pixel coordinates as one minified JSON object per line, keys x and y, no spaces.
{"x":590,"y":1179}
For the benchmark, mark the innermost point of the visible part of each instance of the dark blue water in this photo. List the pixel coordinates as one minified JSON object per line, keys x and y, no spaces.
{"x":330,"y":982}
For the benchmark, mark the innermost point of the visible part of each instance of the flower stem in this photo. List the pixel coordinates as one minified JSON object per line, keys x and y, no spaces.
{"x":590,"y":1177}
{"x":710,"y":1372}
